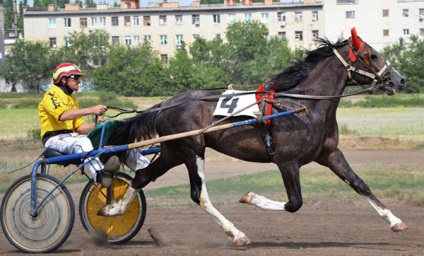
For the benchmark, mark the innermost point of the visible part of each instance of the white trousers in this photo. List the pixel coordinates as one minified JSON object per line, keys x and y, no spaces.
{"x":72,"y":143}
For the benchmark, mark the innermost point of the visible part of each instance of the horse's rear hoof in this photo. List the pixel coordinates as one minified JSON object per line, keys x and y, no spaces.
{"x":401,"y":226}
{"x":247,"y":198}
{"x":242,"y":241}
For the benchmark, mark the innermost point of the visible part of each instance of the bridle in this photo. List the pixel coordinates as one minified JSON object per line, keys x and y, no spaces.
{"x":376,"y":76}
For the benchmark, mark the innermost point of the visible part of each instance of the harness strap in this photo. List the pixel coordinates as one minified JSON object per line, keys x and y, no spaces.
{"x":265,"y":95}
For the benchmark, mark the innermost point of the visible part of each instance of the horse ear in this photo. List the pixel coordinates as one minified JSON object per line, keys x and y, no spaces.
{"x":356,"y":42}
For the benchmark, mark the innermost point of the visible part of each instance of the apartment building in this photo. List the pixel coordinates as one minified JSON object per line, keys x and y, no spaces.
{"x":379,"y":22}
{"x":167,"y":25}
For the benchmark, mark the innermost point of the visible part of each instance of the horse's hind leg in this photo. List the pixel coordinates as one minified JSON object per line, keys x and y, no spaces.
{"x":290,"y":173}
{"x":141,"y":179}
{"x":199,"y":194}
{"x":336,"y":161}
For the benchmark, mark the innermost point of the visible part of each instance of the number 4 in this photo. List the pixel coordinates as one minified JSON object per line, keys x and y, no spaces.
{"x":230,"y":103}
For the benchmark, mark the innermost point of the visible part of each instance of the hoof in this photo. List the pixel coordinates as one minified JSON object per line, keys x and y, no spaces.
{"x":242,"y":241}
{"x":401,"y":226}
{"x":102,"y":211}
{"x":247,"y":198}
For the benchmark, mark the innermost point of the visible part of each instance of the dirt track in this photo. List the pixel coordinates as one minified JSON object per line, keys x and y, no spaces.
{"x":318,"y":228}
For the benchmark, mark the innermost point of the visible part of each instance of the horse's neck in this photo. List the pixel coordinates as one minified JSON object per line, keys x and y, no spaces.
{"x":327,"y":78}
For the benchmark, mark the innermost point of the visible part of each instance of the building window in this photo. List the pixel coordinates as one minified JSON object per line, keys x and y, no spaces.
{"x":102,"y":22}
{"x":350,"y":14}
{"x":94,"y":21}
{"x":347,"y":1}
{"x":52,"y":23}
{"x":298,"y":16}
{"x":136,"y":40}
{"x":127,"y":21}
{"x":146,"y":20}
{"x":128,"y":40}
{"x":179,"y":40}
{"x":162,"y":20}
{"x":164,"y":58}
{"x":405,"y":12}
{"x":115,"y":21}
{"x":115,"y":40}
{"x":195,"y":36}
{"x":67,"y":41}
{"x":52,"y":42}
{"x":422,"y":31}
{"x":195,"y":19}
{"x":231,"y":17}
{"x":67,"y":22}
{"x":163,"y":39}
{"x":83,"y":22}
{"x":421,"y":14}
{"x":248,"y":17}
{"x":385,"y":13}
{"x":281,"y":17}
{"x":136,"y":21}
{"x":147,"y":38}
{"x":385,"y":32}
{"x":315,"y":34}
{"x":282,"y":35}
{"x":314,"y":15}
{"x":406,"y":31}
{"x":179,"y":19}
{"x":265,"y":17}
{"x":216,"y":18}
{"x":298,"y":35}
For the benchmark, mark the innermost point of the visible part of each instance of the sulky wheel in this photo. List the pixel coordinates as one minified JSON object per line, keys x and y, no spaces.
{"x":116,"y":229}
{"x":53,"y":223}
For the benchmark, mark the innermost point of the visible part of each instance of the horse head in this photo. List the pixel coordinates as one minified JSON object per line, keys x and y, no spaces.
{"x":371,"y":66}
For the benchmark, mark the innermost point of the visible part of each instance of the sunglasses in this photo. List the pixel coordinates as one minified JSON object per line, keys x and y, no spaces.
{"x":76,"y":77}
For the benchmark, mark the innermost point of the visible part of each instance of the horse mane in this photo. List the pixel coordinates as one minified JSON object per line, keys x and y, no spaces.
{"x":299,"y":71}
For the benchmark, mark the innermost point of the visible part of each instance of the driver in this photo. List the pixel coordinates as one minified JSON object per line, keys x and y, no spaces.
{"x":62,"y":124}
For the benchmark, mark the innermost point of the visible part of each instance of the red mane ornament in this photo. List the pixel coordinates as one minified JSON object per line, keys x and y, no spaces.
{"x":356,"y":42}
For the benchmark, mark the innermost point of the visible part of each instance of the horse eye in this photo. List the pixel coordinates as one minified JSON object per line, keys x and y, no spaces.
{"x":374,"y":57}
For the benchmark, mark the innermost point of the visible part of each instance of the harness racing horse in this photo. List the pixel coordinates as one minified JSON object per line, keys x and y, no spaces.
{"x":316,"y":82}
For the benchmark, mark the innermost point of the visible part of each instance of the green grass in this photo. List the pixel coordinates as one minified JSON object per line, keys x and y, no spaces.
{"x":16,"y":123}
{"x":381,"y":122}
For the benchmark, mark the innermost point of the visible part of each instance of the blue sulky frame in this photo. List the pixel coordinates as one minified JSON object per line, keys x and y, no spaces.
{"x":43,"y":165}
{"x":116,"y":149}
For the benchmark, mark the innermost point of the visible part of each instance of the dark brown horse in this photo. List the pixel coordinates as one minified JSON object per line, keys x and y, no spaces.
{"x":298,"y":139}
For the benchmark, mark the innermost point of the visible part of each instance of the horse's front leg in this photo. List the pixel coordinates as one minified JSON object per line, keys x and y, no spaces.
{"x":336,"y":161}
{"x":199,"y":194}
{"x":290,"y":173}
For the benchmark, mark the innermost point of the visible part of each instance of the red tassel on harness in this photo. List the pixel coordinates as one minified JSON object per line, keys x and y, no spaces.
{"x":267,"y":95}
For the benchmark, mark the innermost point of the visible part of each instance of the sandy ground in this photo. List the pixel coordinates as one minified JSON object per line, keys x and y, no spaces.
{"x":348,"y":227}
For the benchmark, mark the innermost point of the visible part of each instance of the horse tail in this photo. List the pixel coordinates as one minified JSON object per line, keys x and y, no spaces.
{"x":139,"y":127}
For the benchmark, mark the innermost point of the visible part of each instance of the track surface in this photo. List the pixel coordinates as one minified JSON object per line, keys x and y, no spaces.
{"x":349,"y":227}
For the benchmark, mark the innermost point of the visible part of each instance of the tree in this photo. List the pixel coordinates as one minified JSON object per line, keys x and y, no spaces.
{"x":406,"y":57}
{"x":132,"y":71}
{"x":209,"y":61}
{"x":252,"y":55}
{"x":88,"y":51}
{"x":28,"y":62}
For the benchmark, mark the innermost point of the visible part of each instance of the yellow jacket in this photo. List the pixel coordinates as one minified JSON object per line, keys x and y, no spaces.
{"x":54,"y":103}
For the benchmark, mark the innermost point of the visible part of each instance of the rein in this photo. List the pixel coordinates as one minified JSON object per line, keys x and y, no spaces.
{"x":374,"y":85}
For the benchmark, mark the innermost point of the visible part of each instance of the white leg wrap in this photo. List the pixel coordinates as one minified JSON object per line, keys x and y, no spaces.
{"x":386,"y":214}
{"x":119,"y":208}
{"x":262,"y":202}
{"x":238,"y":237}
